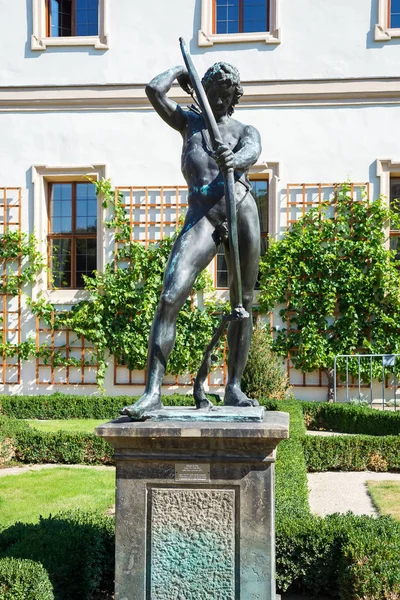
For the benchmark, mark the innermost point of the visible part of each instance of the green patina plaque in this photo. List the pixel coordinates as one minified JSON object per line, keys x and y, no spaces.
{"x":192,"y":547}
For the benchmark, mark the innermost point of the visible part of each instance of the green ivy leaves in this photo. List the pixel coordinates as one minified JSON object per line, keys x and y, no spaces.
{"x":339,"y":284}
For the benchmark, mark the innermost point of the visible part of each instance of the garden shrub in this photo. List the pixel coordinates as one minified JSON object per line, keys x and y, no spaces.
{"x":24,"y":580}
{"x":352,"y":453}
{"x":347,"y":418}
{"x":63,"y":406}
{"x":370,"y":561}
{"x":8,"y":428}
{"x":263,"y":376}
{"x":76,"y":548}
{"x":315,"y":555}
{"x":33,"y":446}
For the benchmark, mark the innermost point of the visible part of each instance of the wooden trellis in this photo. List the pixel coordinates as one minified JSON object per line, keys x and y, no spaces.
{"x":10,"y":304}
{"x":301,"y":198}
{"x":154,"y":212}
{"x":67,"y":344}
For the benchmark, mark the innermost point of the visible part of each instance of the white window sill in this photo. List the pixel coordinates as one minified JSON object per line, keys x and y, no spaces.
{"x":385,"y":34}
{"x":269,"y":37}
{"x":99,"y":43}
{"x":66,"y":296}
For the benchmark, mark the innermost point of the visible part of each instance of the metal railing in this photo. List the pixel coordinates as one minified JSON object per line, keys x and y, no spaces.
{"x":387,"y":361}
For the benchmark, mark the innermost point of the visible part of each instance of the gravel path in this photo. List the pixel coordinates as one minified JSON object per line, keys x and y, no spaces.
{"x":332,"y":492}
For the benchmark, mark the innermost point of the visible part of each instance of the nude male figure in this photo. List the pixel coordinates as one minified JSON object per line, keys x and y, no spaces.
{"x":205,"y":223}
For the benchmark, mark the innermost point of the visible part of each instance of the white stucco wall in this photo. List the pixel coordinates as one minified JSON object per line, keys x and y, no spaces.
{"x":320,"y":39}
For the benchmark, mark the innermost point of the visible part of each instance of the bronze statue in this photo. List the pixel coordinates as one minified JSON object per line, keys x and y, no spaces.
{"x":210,"y":157}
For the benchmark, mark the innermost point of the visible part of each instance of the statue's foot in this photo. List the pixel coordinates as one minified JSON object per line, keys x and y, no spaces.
{"x":235,"y":397}
{"x":201,"y":399}
{"x":145,"y":404}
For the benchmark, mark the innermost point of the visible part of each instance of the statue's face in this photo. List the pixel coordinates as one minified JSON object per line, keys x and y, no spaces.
{"x":220,"y":95}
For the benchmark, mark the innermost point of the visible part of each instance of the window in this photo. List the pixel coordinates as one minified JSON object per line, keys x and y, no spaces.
{"x":227,"y":21}
{"x":240,"y":16}
{"x":394,"y":14}
{"x":72,"y":239}
{"x":260,"y":193}
{"x":72,"y":17}
{"x":69,"y":23}
{"x":388,"y":25}
{"x":395,"y":206}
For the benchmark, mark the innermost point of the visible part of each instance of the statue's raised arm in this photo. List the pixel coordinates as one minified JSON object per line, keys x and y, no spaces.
{"x":157,"y":91}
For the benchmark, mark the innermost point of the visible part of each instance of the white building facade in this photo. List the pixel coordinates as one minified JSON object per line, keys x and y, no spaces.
{"x":321,"y":83}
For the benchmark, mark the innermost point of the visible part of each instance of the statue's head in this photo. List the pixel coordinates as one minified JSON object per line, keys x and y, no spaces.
{"x":223,"y":79}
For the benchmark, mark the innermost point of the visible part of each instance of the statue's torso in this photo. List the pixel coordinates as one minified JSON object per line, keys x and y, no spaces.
{"x":204,"y":179}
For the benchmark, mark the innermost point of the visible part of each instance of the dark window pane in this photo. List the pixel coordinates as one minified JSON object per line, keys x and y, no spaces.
{"x":395,"y":21}
{"x":260,"y":193}
{"x":61,"y":208}
{"x":61,"y":263}
{"x":254,"y":15}
{"x":86,"y":255}
{"x":227,"y":16}
{"x":86,"y":208}
{"x":57,"y":209}
{"x":395,"y":195}
{"x":87,"y":16}
{"x":395,"y":6}
{"x":65,"y":18}
{"x":233,"y":26}
{"x":395,"y":245}
{"x":222,"y":269}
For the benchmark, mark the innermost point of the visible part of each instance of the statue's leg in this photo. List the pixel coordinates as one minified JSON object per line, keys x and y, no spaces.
{"x":240,"y":332}
{"x":191,"y":253}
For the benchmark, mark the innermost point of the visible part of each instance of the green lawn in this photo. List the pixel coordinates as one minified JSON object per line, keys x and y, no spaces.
{"x":26,"y":496}
{"x":386,"y":497}
{"x":81,"y":425}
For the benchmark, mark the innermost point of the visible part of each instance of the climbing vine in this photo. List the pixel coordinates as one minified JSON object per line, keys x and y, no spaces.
{"x":339,"y":285}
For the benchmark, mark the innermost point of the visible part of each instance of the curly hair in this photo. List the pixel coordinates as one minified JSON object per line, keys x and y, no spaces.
{"x":222,"y":71}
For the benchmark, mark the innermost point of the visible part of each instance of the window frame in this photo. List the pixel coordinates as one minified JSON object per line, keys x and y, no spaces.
{"x":41,"y":39}
{"x":387,"y":169}
{"x":208,"y":37}
{"x":393,"y":233}
{"x":383,"y":32}
{"x":73,"y":236}
{"x":42,"y":175}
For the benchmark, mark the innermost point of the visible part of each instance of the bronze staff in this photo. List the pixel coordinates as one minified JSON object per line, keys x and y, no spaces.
{"x":238,"y":312}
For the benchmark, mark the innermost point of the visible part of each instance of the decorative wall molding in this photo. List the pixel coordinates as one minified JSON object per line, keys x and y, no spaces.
{"x":257,"y":94}
{"x":40,"y":40}
{"x":41,"y":175}
{"x":384,"y":169}
{"x":382,"y":31}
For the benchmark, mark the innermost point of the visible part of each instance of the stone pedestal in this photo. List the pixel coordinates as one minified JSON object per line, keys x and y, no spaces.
{"x":195,"y":508}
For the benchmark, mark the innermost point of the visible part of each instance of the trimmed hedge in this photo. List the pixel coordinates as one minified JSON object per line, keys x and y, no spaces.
{"x":348,"y":418}
{"x":63,"y":406}
{"x":76,"y":549}
{"x":352,"y":453}
{"x":62,"y":447}
{"x":24,"y":580}
{"x":346,"y":555}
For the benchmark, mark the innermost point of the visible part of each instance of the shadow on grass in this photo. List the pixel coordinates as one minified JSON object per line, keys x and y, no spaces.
{"x":76,"y":549}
